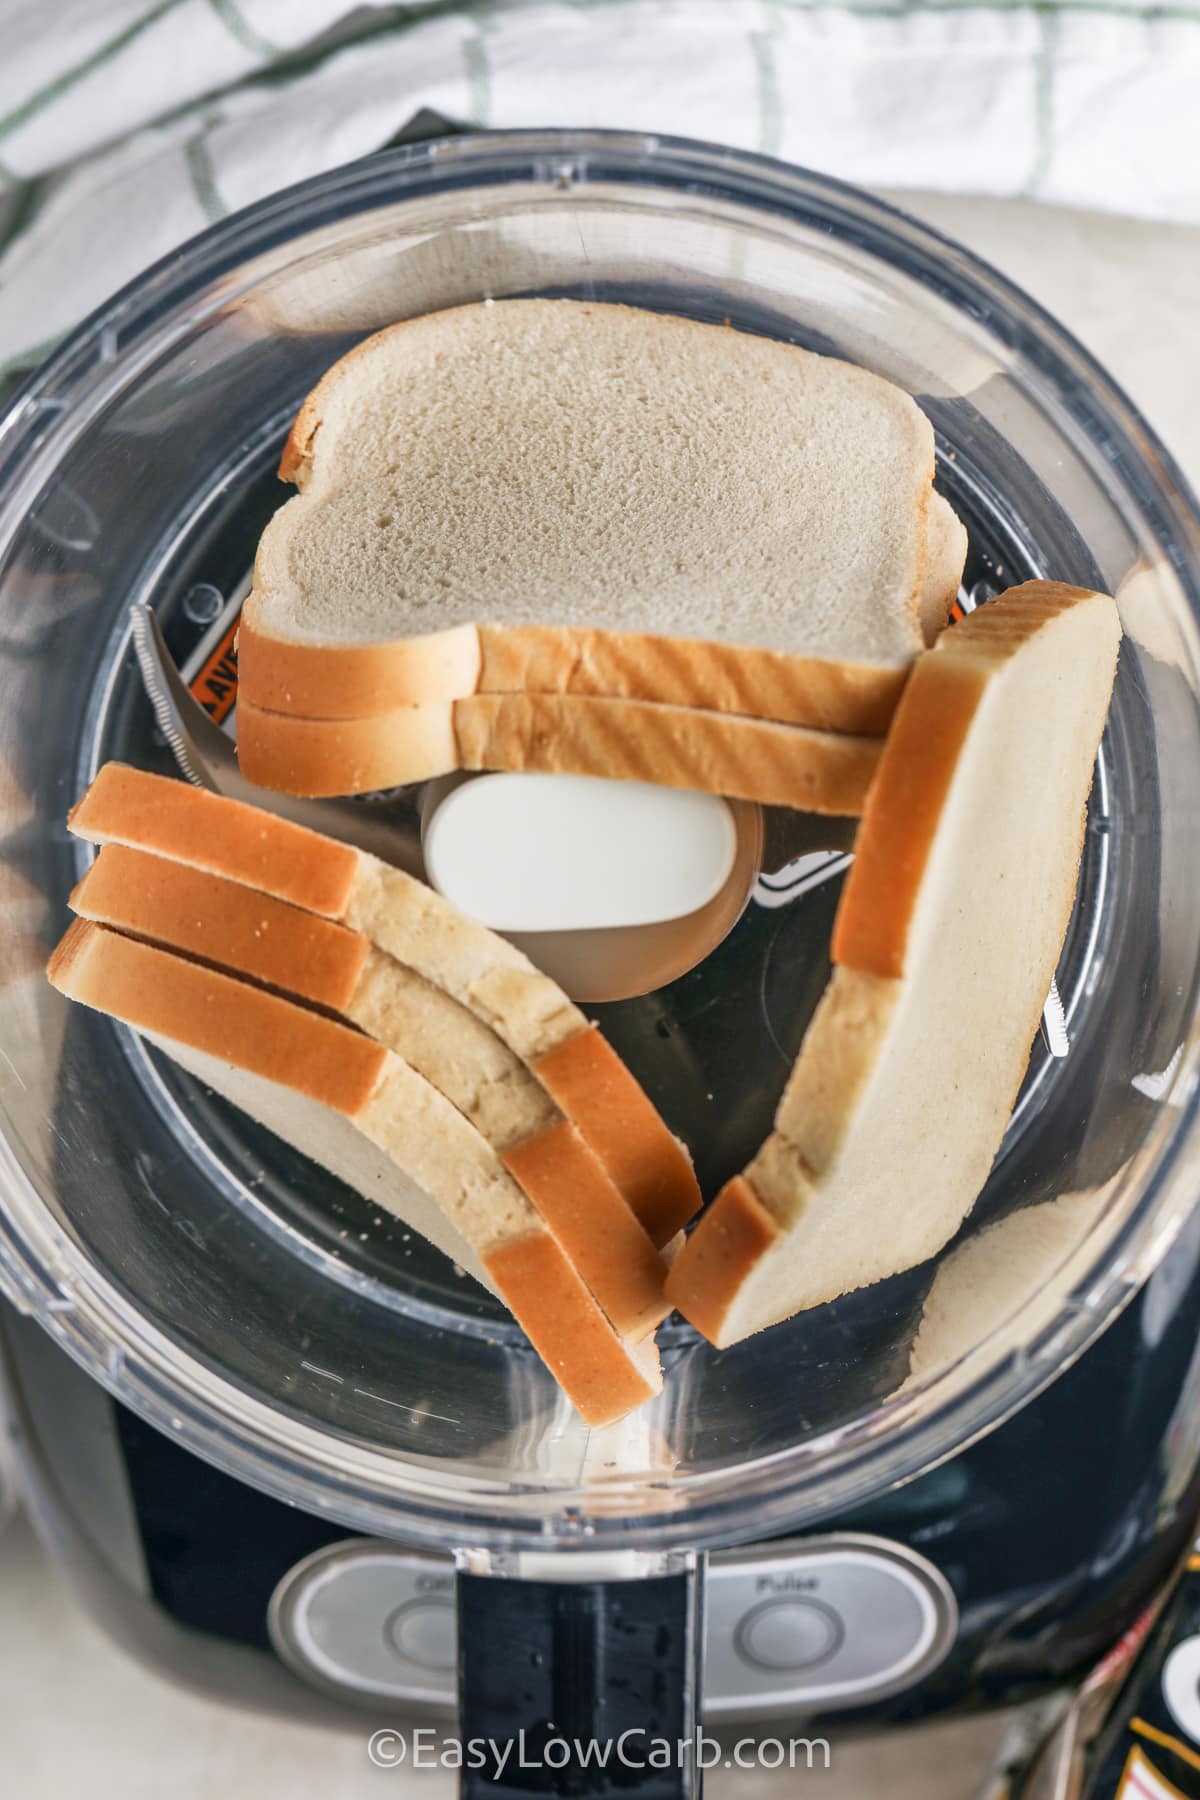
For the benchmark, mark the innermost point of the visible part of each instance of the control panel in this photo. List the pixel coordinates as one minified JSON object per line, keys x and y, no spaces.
{"x":796,"y":1626}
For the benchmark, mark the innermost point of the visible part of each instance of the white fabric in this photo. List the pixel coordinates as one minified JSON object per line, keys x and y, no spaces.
{"x":127,"y":126}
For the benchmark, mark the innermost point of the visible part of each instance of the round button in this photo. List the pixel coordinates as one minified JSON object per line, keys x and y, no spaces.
{"x":371,"y":1619}
{"x":422,"y":1631}
{"x":788,"y":1633}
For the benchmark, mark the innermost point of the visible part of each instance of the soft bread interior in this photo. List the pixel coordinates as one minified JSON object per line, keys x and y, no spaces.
{"x":604,"y":466}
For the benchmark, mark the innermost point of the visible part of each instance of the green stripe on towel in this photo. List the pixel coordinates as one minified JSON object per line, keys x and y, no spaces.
{"x":238,"y":26}
{"x":62,"y":83}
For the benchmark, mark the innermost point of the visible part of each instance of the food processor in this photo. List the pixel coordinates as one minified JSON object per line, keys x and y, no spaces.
{"x":285,"y":1447}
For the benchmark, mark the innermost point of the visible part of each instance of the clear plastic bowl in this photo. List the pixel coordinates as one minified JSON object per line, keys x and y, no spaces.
{"x":236,"y":1297}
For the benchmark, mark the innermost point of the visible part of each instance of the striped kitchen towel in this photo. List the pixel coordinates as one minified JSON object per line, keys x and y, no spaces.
{"x":127,"y":126}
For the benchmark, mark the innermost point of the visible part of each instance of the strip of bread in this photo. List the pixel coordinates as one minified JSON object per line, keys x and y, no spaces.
{"x":631,"y":740}
{"x":627,"y":475}
{"x":359,"y":681}
{"x":485,"y":1220}
{"x":583,"y":1075}
{"x":317,"y":960}
{"x":946,"y":940}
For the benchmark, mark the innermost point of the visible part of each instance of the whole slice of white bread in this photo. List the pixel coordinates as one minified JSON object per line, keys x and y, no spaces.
{"x":946,"y":940}
{"x":421,"y":1158}
{"x":317,"y":960}
{"x":630,"y":740}
{"x":583,"y":1075}
{"x":496,"y":467}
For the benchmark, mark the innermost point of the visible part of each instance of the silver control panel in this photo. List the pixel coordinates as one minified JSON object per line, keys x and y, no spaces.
{"x":804,"y":1625}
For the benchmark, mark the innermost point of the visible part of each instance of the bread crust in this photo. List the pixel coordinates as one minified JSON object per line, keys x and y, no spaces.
{"x":601,"y":1375}
{"x":632,"y":740}
{"x":734,"y":1235}
{"x":192,"y":825}
{"x":359,"y":681}
{"x":223,"y":923}
{"x":241,"y":1025}
{"x":595,"y":1224}
{"x":347,"y":756}
{"x":356,"y":681}
{"x":589,"y":1082}
{"x":946,"y":537}
{"x":901,"y":816}
{"x":904,"y":808}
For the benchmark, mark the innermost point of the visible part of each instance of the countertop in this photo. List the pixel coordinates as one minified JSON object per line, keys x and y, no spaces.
{"x":77,"y":1716}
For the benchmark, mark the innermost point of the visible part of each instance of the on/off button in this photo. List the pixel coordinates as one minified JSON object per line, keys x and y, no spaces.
{"x":788,"y":1633}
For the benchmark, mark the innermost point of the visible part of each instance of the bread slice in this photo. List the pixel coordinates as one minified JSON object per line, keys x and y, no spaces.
{"x":947,"y":540}
{"x":583,"y":1075}
{"x":945,"y":943}
{"x":327,"y":964}
{"x":319,"y":1079}
{"x":632,"y":740}
{"x":471,"y":474}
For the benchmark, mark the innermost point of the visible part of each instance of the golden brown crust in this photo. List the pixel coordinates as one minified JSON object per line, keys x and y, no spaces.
{"x":358,"y":681}
{"x":221,"y":922}
{"x":673,"y":746}
{"x":567,"y":1329}
{"x":197,"y":1006}
{"x":901,"y":815}
{"x":589,"y":1083}
{"x":355,"y":681}
{"x":320,"y":757}
{"x":735,"y":1232}
{"x":188,"y":824}
{"x":858,"y":698}
{"x":594,"y":1224}
{"x":623,"y":740}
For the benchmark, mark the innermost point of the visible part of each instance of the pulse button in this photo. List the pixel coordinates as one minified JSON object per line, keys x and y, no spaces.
{"x":788,"y":1633}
